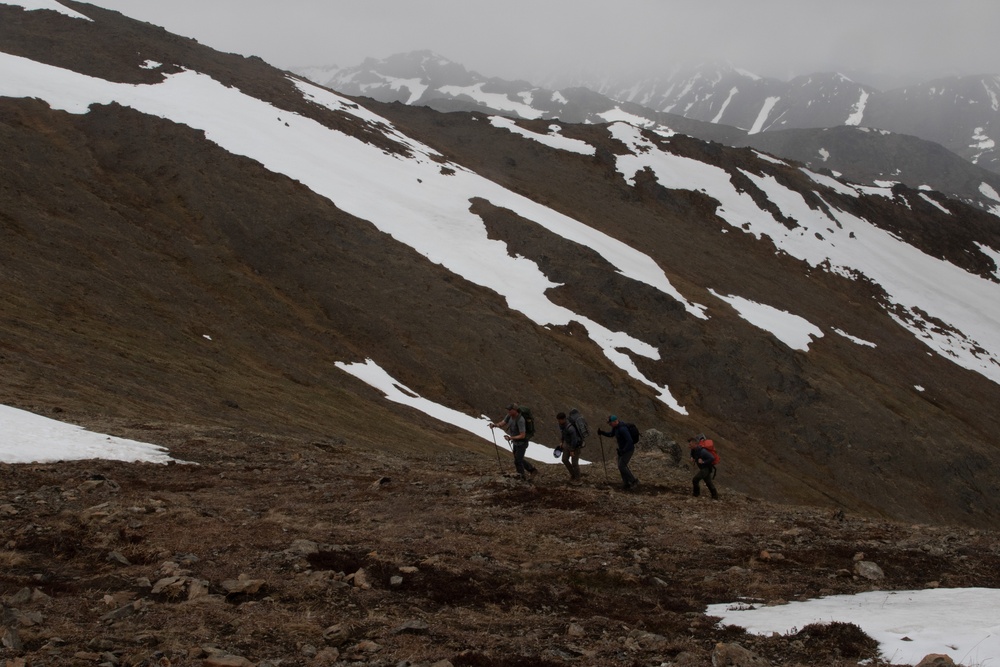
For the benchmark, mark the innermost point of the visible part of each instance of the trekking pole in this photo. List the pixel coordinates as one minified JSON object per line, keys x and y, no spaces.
{"x":603,"y":458}
{"x":497,"y":448}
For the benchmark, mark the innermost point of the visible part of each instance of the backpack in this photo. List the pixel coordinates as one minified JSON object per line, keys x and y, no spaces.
{"x":579,"y":423}
{"x":710,"y":446}
{"x":529,"y":423}
{"x":633,"y":431}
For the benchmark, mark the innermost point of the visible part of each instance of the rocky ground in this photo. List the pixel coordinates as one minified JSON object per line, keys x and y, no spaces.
{"x":271,"y":551}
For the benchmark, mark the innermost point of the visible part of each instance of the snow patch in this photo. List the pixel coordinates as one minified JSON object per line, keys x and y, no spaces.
{"x":908,"y":625}
{"x":733,"y":91}
{"x":32,"y":5}
{"x":934,"y":203}
{"x":831,"y":183}
{"x":794,"y":331}
{"x":765,"y":111}
{"x":858,"y":112}
{"x":497,"y":101}
{"x":374,"y":375}
{"x":854,"y":339}
{"x":770,"y":158}
{"x":994,"y":255}
{"x":553,"y":139}
{"x":31,"y":438}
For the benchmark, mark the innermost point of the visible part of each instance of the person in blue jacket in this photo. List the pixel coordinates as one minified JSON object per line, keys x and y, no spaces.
{"x":626,"y":447}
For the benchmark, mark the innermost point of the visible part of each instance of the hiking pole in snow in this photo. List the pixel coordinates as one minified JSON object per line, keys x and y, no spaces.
{"x":599,"y":437}
{"x":496,"y":447}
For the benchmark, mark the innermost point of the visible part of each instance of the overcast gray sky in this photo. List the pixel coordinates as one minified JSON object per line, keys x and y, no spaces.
{"x":919,"y":39}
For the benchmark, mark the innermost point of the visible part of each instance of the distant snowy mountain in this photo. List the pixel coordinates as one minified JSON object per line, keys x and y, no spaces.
{"x":737,"y":108}
{"x":960,"y":113}
{"x":426,"y":79}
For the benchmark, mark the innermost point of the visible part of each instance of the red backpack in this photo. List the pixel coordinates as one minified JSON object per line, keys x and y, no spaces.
{"x":710,"y":446}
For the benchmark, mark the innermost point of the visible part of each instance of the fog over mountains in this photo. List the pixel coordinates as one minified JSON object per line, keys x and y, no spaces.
{"x":803,"y":119}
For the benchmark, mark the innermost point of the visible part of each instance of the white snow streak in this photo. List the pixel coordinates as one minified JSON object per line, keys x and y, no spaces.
{"x":725,"y":104}
{"x":46,"y":4}
{"x":765,"y":111}
{"x":792,"y":330}
{"x":858,"y":112}
{"x":554,"y":139}
{"x":374,"y":375}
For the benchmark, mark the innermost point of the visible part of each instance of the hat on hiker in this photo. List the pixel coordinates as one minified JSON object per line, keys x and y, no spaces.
{"x":512,"y":406}
{"x":612,"y":418}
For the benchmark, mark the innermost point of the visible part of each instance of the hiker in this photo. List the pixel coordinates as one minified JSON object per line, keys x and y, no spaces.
{"x":570,"y":440}
{"x":517,"y":436}
{"x":705,"y":461}
{"x":626,"y":447}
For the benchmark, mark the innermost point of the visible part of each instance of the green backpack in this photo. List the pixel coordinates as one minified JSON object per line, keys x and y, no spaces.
{"x":529,"y":423}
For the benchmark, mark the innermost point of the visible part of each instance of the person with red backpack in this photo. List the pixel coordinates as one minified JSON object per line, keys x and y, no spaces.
{"x":704,"y":455}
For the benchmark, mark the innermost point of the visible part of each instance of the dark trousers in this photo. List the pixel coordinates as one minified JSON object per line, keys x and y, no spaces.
{"x":520,"y":464}
{"x":571,"y":459}
{"x":706,"y":475}
{"x":623,"y":458}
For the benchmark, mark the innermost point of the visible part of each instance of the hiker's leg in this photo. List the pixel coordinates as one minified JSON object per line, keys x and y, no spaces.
{"x":567,"y":459}
{"x":528,"y":465}
{"x":710,"y":484}
{"x":574,"y":459}
{"x":695,"y":482}
{"x":627,"y":477}
{"x":519,"y":451}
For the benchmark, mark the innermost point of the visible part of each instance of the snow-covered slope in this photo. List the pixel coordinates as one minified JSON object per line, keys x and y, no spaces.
{"x":426,"y":207}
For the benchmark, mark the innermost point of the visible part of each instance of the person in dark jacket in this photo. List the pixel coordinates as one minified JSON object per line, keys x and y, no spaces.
{"x":706,"y":467}
{"x":570,"y":441}
{"x":626,"y":447}
{"x":517,"y":436}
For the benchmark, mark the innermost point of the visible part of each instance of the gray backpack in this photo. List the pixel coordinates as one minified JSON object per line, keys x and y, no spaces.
{"x":579,"y":423}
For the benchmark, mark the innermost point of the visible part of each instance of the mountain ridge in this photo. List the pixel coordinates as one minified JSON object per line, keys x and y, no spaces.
{"x":734,"y":107}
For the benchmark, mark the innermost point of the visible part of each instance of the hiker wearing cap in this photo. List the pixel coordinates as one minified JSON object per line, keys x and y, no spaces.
{"x":570,"y":441}
{"x":705,"y":461}
{"x":517,"y":436}
{"x":626,"y":447}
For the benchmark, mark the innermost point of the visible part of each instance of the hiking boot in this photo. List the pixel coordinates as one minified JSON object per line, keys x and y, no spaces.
{"x":576,"y":481}
{"x":635,"y":483}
